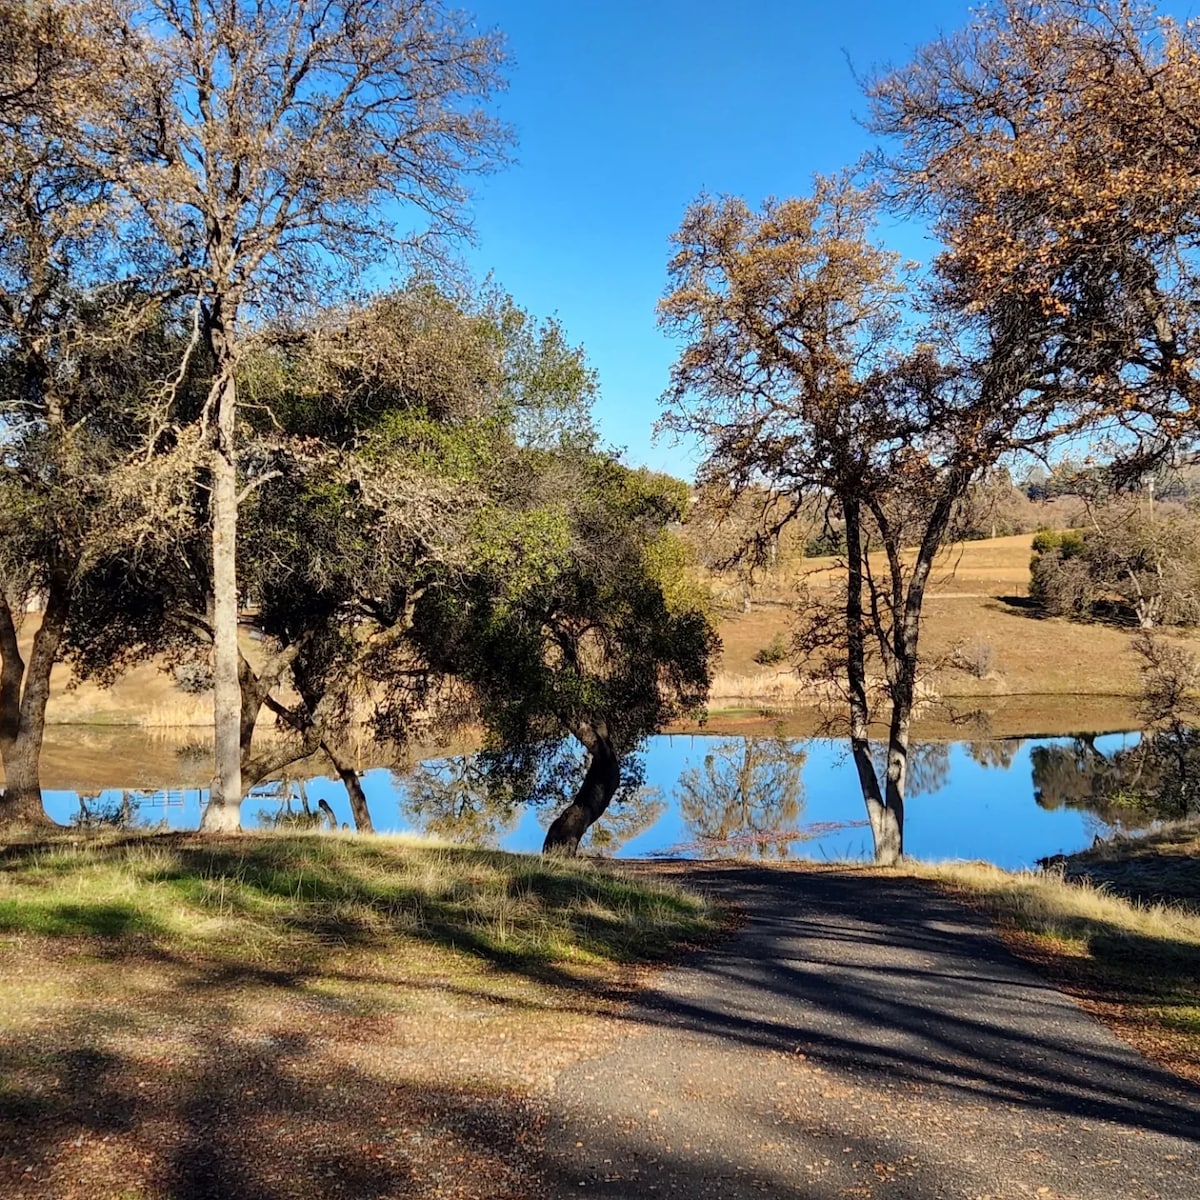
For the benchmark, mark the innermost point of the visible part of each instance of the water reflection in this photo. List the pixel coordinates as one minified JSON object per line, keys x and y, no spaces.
{"x":1153,"y":776}
{"x":302,"y":816}
{"x":1006,"y":801}
{"x":928,"y":768}
{"x":998,"y":753}
{"x":458,"y":799}
{"x":627,"y":820}
{"x":744,"y":798}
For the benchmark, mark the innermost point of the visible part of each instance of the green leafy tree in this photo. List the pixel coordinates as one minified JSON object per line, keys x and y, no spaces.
{"x":577,"y":621}
{"x":380,"y":437}
{"x":274,"y":148}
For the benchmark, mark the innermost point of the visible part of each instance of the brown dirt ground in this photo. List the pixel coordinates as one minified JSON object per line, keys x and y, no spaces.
{"x":141,"y":1076}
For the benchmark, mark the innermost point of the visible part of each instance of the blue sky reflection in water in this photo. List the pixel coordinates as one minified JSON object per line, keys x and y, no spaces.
{"x":961,"y":807}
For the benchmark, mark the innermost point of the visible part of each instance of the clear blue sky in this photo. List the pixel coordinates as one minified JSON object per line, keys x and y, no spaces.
{"x":624,"y":111}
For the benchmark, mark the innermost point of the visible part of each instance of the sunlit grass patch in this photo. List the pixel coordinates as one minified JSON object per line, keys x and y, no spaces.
{"x":274,"y":896}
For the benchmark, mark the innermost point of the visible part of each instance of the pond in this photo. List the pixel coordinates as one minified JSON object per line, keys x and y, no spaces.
{"x":1009,"y":801}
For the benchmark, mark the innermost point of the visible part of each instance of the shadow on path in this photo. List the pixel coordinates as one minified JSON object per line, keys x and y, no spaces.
{"x":871,"y":1022}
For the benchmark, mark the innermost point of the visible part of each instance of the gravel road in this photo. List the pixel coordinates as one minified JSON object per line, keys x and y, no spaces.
{"x":866,"y":1038}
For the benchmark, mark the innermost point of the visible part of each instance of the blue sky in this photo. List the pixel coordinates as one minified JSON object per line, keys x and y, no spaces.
{"x":624,"y":112}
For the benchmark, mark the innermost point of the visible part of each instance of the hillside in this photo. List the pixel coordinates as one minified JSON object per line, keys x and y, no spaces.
{"x":977,"y":613}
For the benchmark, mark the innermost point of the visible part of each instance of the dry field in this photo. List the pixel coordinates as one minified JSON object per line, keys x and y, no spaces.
{"x":977,"y":606}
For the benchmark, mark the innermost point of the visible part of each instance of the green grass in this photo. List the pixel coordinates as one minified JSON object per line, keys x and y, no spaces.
{"x":311,"y":1008}
{"x":285,"y":897}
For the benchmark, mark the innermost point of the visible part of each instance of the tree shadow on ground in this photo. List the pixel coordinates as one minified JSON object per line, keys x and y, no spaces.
{"x":1022,"y":606}
{"x":248,"y":1112}
{"x":888,"y":981}
{"x":1104,"y":612}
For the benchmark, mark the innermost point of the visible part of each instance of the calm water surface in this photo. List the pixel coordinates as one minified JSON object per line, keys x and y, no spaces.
{"x":1009,"y":802}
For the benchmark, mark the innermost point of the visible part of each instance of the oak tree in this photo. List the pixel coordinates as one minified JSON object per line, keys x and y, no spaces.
{"x":801,"y":373}
{"x":279,"y":150}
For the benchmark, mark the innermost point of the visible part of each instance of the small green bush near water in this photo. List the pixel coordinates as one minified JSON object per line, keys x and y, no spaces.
{"x":774,"y":652}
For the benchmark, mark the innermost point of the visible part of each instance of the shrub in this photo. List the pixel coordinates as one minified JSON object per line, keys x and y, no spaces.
{"x":1066,"y":543}
{"x":1062,"y":586}
{"x":775,"y":652}
{"x":829,"y":542}
{"x":976,"y":660}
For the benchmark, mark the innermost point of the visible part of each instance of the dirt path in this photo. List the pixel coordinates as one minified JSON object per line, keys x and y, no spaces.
{"x":866,"y":1040}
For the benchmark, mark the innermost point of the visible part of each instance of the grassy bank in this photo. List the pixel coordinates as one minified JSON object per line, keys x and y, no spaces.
{"x":300,"y":1016}
{"x":287,"y":898}
{"x":1118,"y":927}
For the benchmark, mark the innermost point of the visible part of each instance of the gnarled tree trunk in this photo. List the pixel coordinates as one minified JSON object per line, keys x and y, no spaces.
{"x":885,"y":811}
{"x":354,"y":788}
{"x":599,"y":786}
{"x":24,"y":694}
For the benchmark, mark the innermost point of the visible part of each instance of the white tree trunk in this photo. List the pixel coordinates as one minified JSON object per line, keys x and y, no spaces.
{"x":223,"y":813}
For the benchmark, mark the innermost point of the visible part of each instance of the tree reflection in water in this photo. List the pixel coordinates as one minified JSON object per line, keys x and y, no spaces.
{"x":746,"y":796}
{"x":1156,"y":777}
{"x":625,"y":819}
{"x":928,"y":768}
{"x":996,"y":753}
{"x":459,"y":799}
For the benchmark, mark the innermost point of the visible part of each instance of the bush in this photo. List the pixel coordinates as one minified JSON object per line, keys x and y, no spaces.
{"x":1061,"y":573}
{"x":1148,"y":569}
{"x":1067,"y":543}
{"x":977,"y":660}
{"x":773,"y":653}
{"x":1062,"y":586}
{"x":830,"y":542}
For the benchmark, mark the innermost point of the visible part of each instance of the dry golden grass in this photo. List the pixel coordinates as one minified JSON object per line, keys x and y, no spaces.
{"x":977,"y":599}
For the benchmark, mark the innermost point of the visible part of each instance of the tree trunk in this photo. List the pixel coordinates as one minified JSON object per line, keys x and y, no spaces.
{"x":889,"y":829}
{"x":885,"y":807}
{"x":26,"y":692}
{"x":21,"y":801}
{"x":223,"y":813}
{"x":885,"y":830}
{"x":599,"y":786}
{"x":354,"y":789}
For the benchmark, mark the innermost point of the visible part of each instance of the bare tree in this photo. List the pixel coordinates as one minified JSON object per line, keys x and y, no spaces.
{"x":279,"y":148}
{"x":800,"y":374}
{"x":1053,"y":149}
